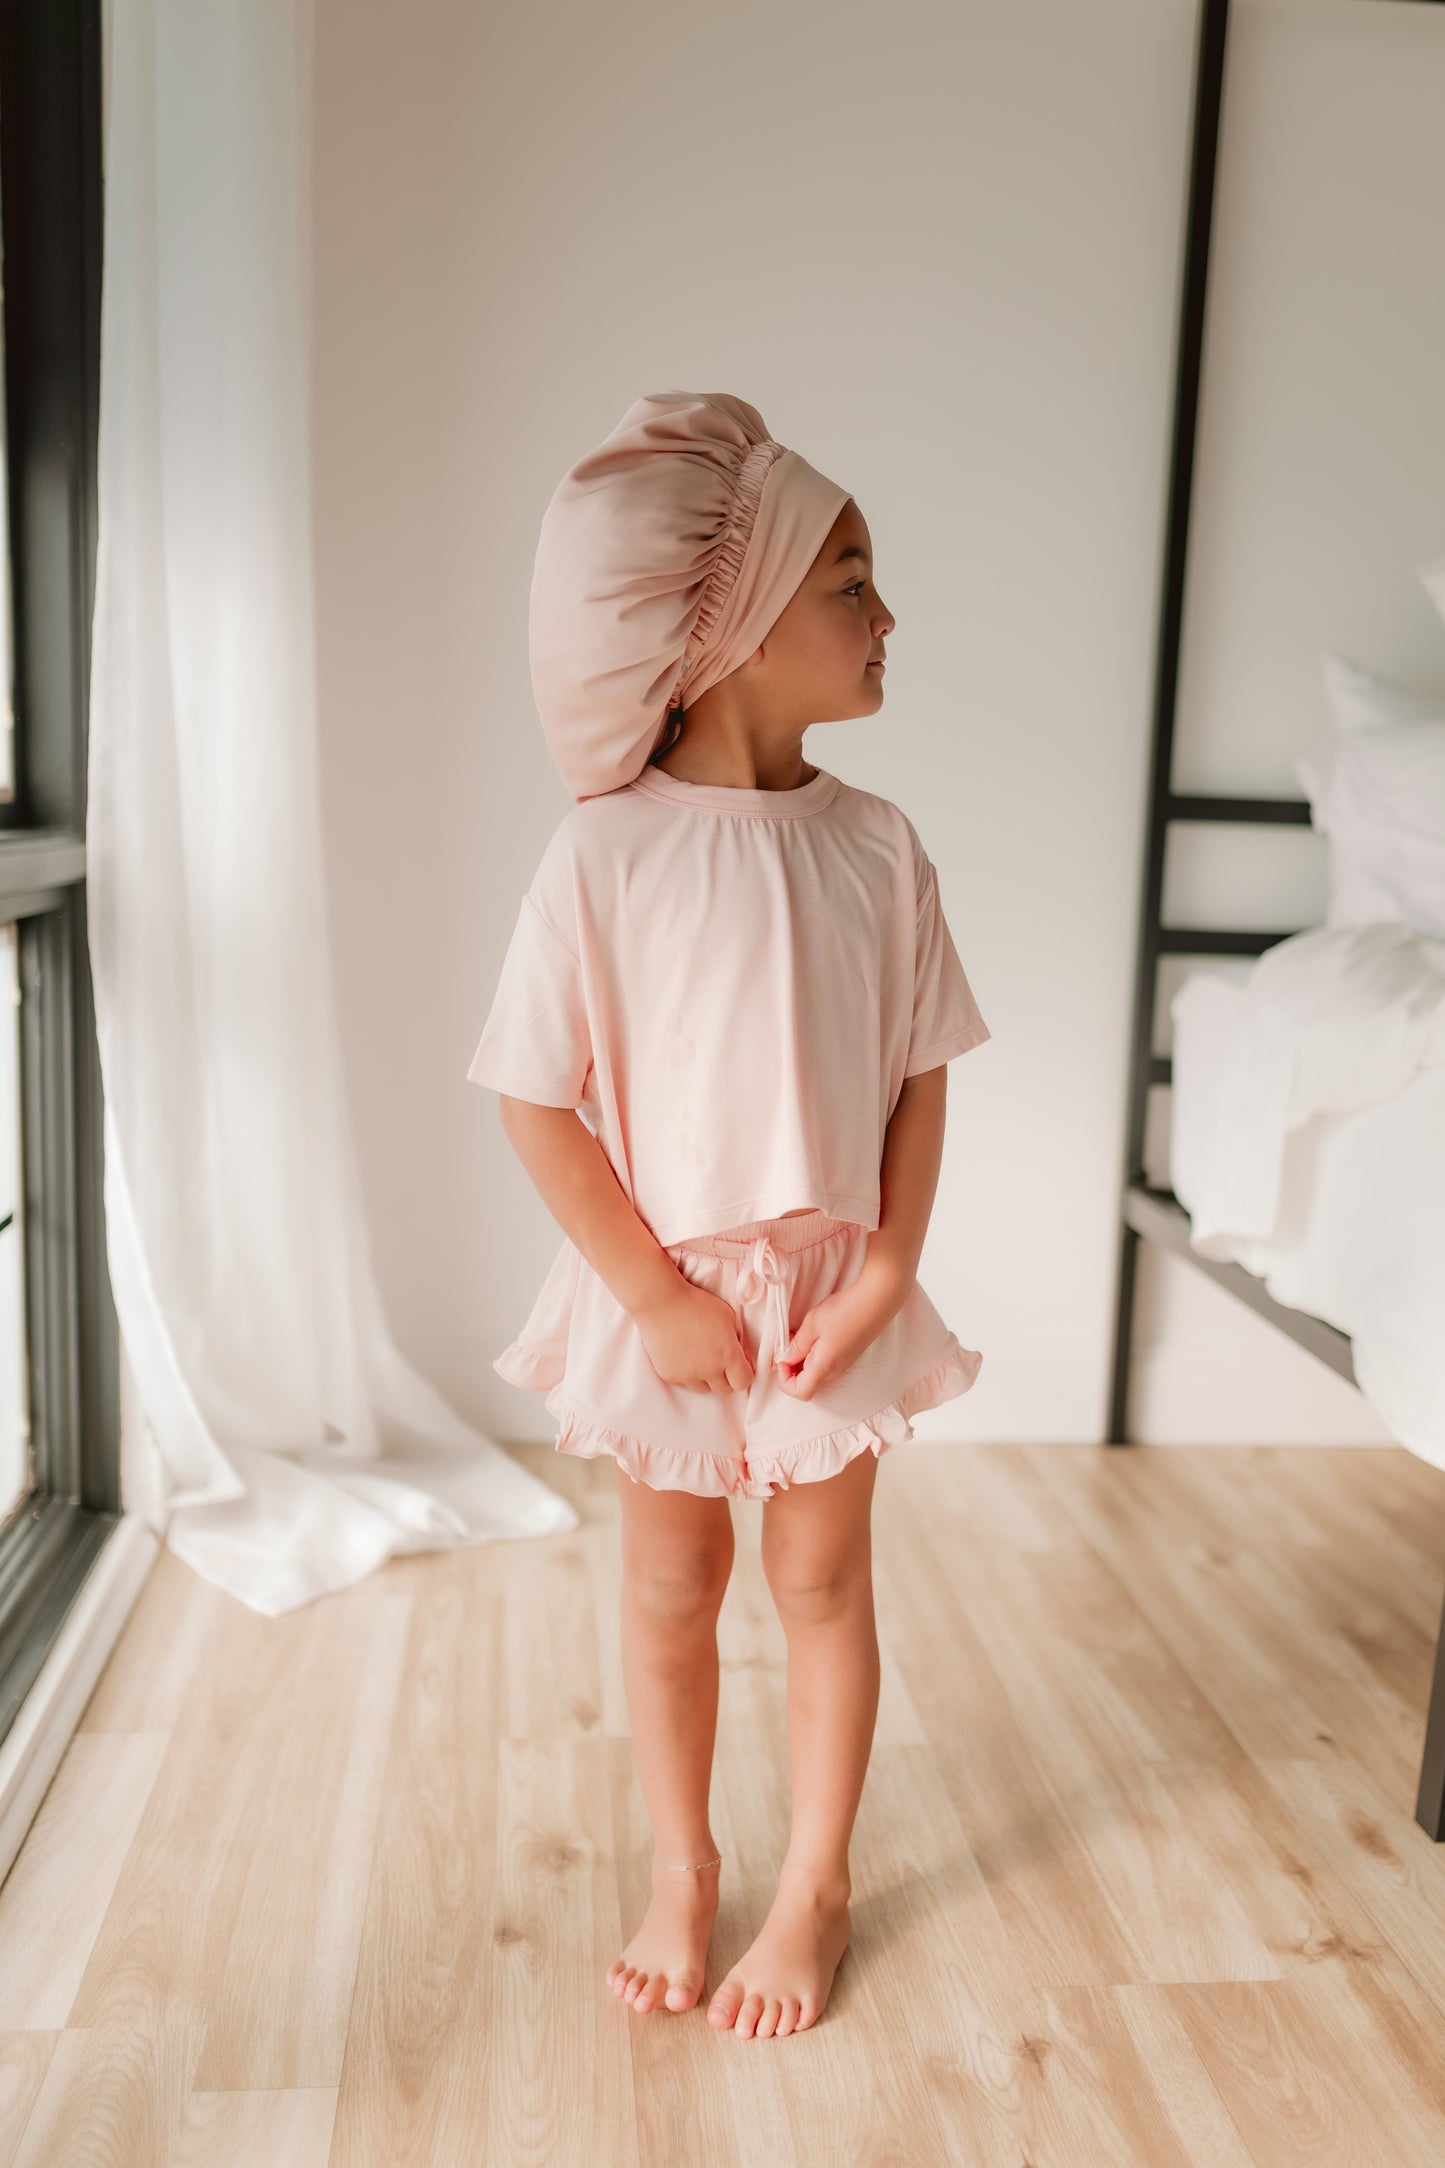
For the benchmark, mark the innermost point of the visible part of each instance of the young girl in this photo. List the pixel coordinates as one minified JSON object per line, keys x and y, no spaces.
{"x":735,"y":969}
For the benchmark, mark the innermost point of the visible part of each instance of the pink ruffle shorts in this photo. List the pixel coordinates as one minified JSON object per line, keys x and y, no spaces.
{"x":582,"y":1349}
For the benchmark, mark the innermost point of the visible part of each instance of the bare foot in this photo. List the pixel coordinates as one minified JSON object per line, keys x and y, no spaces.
{"x":664,"y":1960}
{"x":782,"y":1983}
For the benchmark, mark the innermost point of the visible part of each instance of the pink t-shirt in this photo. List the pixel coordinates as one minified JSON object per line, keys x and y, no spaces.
{"x":730,"y":986}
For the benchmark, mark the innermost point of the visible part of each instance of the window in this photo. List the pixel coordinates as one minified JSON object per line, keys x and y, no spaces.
{"x":59,"y":1399}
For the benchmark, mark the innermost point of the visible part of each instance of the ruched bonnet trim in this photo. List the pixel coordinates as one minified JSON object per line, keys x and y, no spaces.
{"x":730,"y":549}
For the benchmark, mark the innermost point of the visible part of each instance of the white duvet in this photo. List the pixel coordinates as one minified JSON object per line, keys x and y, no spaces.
{"x":1307,"y":1143}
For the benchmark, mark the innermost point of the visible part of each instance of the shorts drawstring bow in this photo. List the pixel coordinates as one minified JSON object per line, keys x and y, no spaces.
{"x":763,"y":1267}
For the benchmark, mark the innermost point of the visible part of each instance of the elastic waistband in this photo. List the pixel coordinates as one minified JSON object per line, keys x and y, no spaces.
{"x":792,"y":1232}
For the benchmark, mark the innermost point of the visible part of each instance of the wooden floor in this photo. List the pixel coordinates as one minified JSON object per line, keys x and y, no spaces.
{"x":1136,"y":1873}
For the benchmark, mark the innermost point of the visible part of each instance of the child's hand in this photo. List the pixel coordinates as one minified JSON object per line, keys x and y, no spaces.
{"x":691,"y":1337}
{"x":834,"y":1334}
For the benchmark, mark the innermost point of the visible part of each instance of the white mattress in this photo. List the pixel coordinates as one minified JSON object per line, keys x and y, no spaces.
{"x":1307,"y":1143}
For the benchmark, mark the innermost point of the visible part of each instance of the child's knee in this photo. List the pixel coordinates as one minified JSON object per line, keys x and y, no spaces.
{"x":678,"y":1592}
{"x":811,"y":1591}
{"x":677,"y":1554}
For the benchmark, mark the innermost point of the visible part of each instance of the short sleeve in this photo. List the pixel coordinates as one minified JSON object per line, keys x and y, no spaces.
{"x":535,"y":1043}
{"x":946,"y":1019}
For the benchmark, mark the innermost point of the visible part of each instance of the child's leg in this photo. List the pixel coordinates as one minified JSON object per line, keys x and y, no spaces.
{"x":817,"y":1554}
{"x":677,"y":1555}
{"x":818,"y":1557}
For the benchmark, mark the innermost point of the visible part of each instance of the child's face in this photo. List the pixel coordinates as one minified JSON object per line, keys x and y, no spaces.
{"x":819,"y":660}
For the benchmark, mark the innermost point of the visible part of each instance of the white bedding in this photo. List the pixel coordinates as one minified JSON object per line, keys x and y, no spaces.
{"x":1307,"y":1143}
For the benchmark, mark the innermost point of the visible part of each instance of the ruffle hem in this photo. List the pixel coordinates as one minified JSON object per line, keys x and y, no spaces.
{"x":711,"y":1475}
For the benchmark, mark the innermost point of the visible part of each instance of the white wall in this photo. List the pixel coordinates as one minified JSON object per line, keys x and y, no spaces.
{"x":939,"y":248}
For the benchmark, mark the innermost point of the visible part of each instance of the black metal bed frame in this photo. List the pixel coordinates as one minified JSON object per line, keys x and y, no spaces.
{"x":1152,"y":1213}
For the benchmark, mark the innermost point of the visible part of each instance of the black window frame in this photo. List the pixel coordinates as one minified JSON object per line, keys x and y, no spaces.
{"x":51,"y":229}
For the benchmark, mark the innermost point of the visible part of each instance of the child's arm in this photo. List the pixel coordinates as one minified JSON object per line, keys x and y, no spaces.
{"x":908,"y":1182}
{"x":690,"y":1335}
{"x":574,"y":1178}
{"x":837,"y":1330}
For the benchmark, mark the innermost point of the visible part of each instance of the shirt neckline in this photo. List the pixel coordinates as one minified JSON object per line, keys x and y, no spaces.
{"x":809,"y":797}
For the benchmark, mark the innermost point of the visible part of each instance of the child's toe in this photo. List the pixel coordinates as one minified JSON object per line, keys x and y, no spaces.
{"x":749,"y":2014}
{"x":726,"y":2003}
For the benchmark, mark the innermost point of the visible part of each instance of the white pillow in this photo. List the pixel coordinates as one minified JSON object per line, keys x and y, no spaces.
{"x":1376,"y":787}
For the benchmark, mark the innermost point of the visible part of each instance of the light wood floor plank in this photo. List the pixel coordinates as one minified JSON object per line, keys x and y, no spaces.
{"x":55,"y":1899}
{"x":555,"y":2051}
{"x":24,"y":2060}
{"x":1205,"y":2128}
{"x":1178,"y":1576}
{"x":239,"y":1907}
{"x":1347,"y":1512}
{"x":1339,"y":1579}
{"x":1380,"y":1853}
{"x":113,"y":2093}
{"x":1278,"y":1592}
{"x":1005,"y":1793}
{"x":1098,"y":2100}
{"x":1183,"y":1923}
{"x":285,"y":2130}
{"x":1114,"y":1656}
{"x":414,"y":2080}
{"x":1311,"y":2075}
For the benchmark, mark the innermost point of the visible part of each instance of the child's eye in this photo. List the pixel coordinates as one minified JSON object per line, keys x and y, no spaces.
{"x":854,"y":588}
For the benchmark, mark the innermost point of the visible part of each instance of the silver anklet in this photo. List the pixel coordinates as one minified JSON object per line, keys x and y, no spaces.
{"x":688,"y":1867}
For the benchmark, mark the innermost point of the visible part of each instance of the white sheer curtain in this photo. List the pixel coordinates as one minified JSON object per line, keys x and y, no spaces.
{"x":293,"y":1449}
